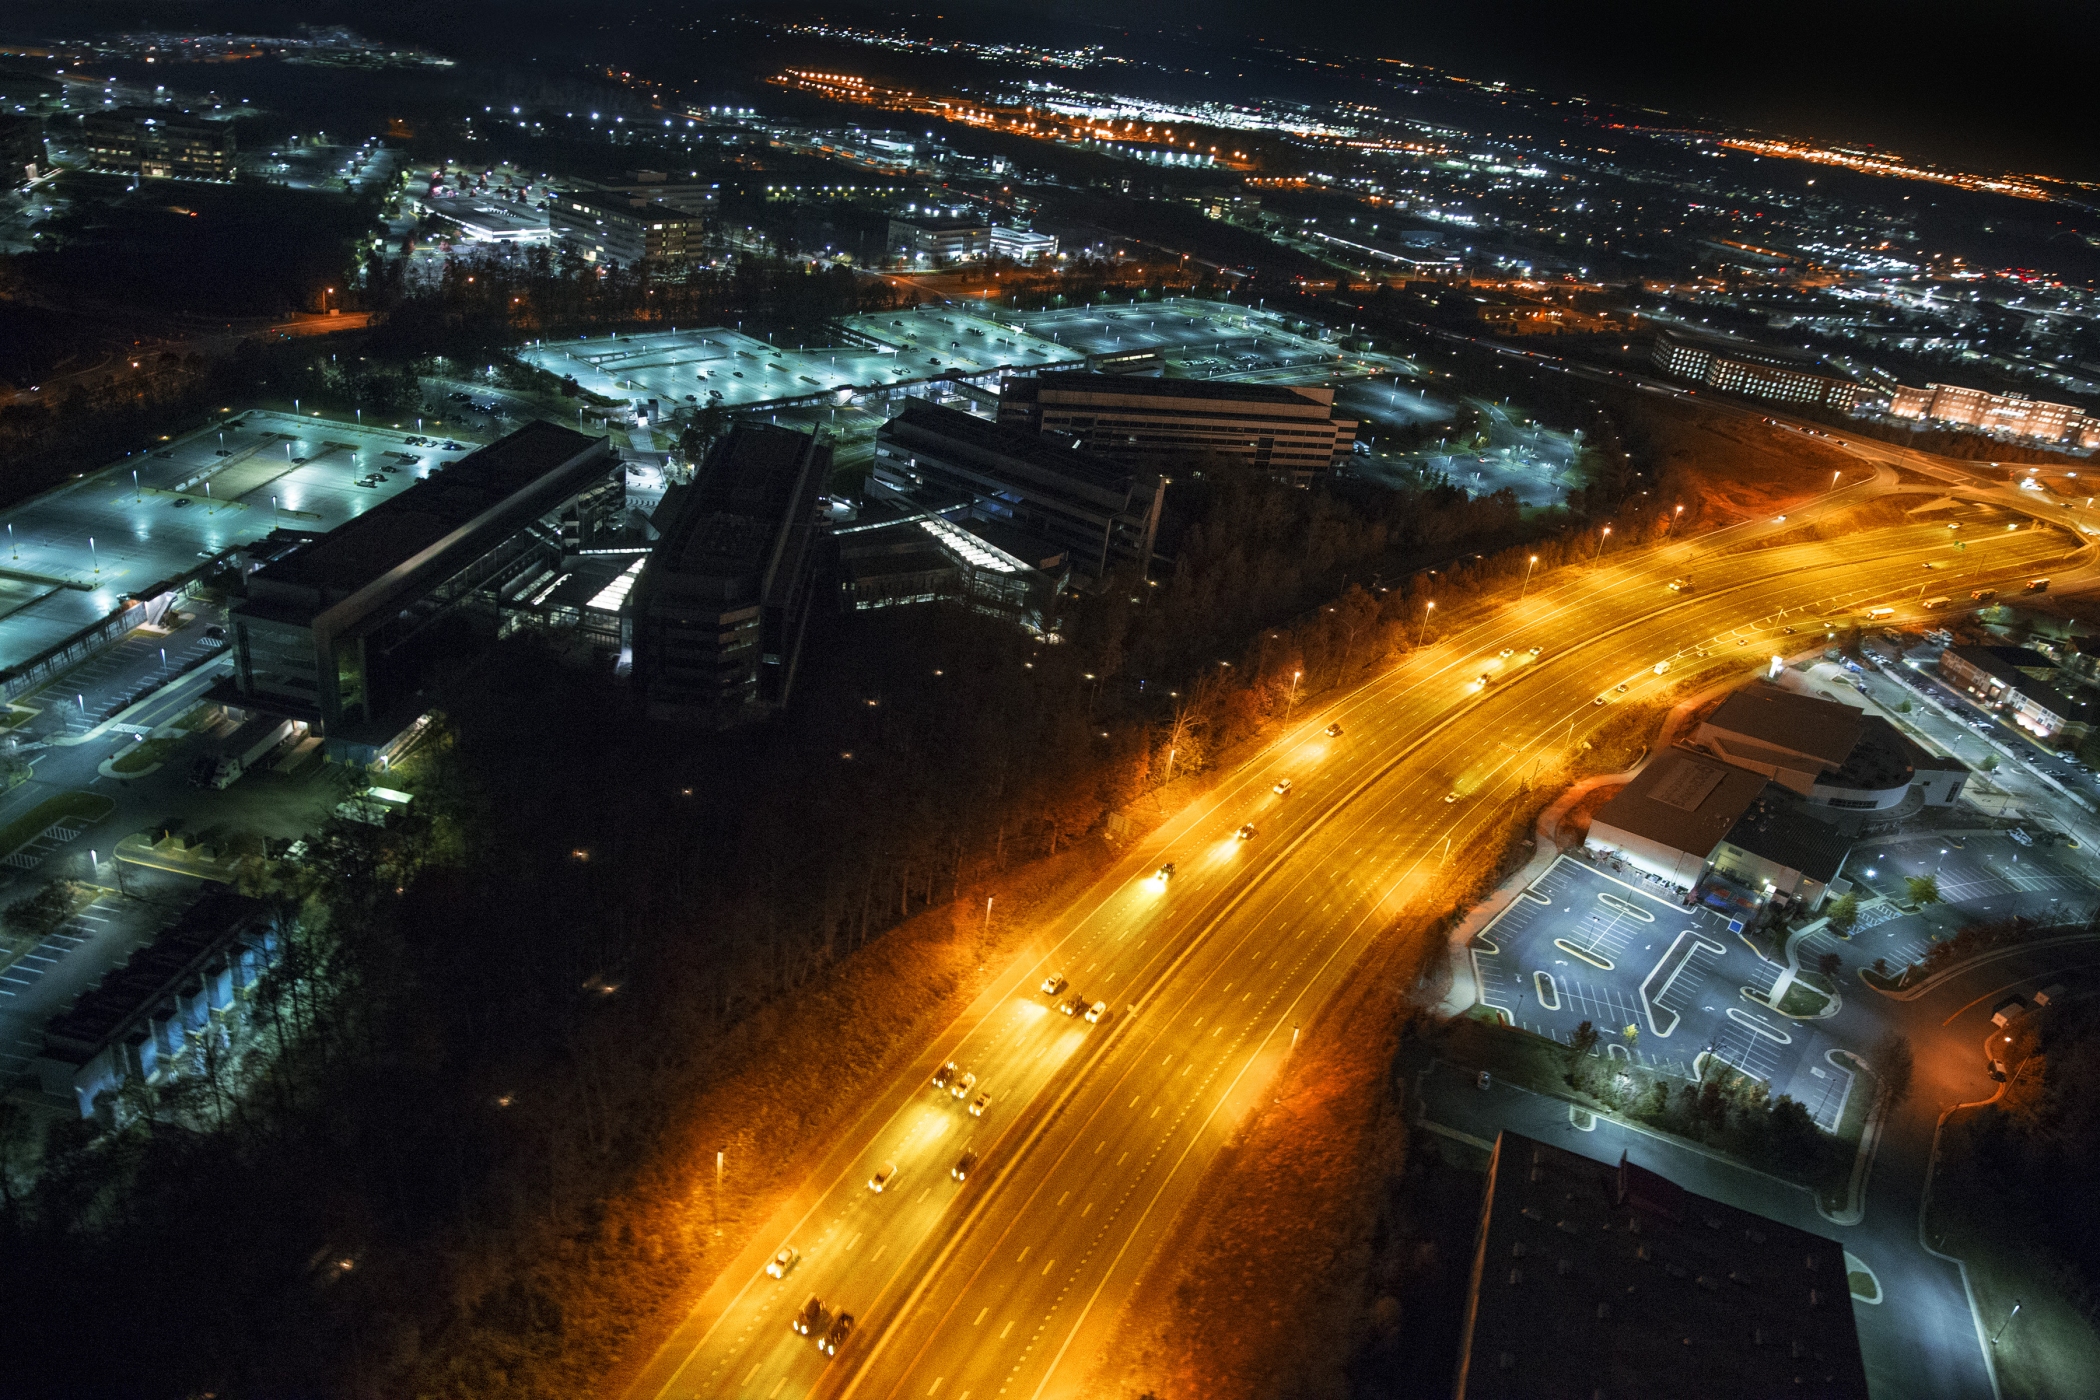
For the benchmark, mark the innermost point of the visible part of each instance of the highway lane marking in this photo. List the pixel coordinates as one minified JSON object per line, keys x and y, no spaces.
{"x":855,"y":1240}
{"x":922,"y":1195}
{"x":1098,"y":1150}
{"x":1047,"y":1267}
{"x":980,"y":1317}
{"x":778,"y":1386}
{"x":1066,"y":1197}
{"x":1088,"y":1211}
{"x":1024,"y":1254}
{"x":1006,"y":1329}
{"x":1122,"y":1159}
{"x":880,"y":1252}
{"x":754,"y":1374}
{"x":936,"y":1384}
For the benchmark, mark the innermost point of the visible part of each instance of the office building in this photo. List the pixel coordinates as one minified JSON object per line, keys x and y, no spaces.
{"x":2005,"y":415}
{"x":339,"y":630}
{"x":1101,"y":514}
{"x":1755,"y":371}
{"x":1776,"y":853}
{"x":1161,"y":423}
{"x":933,"y":241}
{"x":147,"y":1021}
{"x":624,"y":230}
{"x":157,"y":143}
{"x":1593,"y":1279}
{"x":895,"y":557}
{"x":720,"y":610}
{"x":1023,"y":245}
{"x":22,"y":155}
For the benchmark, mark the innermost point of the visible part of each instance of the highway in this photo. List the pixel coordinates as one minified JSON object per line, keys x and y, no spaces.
{"x":1009,"y":1284}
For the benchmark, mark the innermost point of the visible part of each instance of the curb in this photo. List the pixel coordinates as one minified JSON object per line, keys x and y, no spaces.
{"x":1988,"y":956}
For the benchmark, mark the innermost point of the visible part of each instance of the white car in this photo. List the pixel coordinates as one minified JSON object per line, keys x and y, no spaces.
{"x":1053,"y":984}
{"x":883,"y":1175}
{"x":962,"y":1087}
{"x":980,"y":1104}
{"x":1283,"y":785}
{"x":1093,"y":1014}
{"x":780,"y":1263}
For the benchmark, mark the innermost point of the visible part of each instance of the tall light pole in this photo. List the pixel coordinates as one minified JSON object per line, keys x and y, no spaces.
{"x":1600,"y":544}
{"x":1834,"y":478}
{"x":1292,"y":699}
{"x":1527,"y":577}
{"x":1427,"y":608}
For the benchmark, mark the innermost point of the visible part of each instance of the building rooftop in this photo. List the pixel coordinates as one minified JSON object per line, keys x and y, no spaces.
{"x":2013,"y":665}
{"x":1782,"y":719}
{"x":1053,"y":457}
{"x":448,"y":501}
{"x":1594,"y":1279}
{"x":1775,"y":828}
{"x":1124,"y":386}
{"x":151,"y":973}
{"x":1683,"y":799}
{"x":1879,"y":761}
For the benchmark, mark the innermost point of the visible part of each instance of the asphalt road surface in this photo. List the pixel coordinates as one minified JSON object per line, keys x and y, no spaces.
{"x":1009,"y":1284}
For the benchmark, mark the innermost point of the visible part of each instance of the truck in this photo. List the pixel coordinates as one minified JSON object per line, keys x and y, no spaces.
{"x":1932,"y":604}
{"x":245,"y":747}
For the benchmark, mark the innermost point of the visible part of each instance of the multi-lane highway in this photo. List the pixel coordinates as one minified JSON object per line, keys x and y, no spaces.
{"x":1095,"y":1136}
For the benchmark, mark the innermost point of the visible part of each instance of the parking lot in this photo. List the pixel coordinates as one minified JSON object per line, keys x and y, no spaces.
{"x":73,"y":555}
{"x":690,"y":368}
{"x":1584,"y":944}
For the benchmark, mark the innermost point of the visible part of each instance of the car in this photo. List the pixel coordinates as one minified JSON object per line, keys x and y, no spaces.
{"x":1983,"y":595}
{"x":984,"y":1100}
{"x":1482,"y":1079}
{"x":1283,"y":785}
{"x":223,"y":452}
{"x":1247,"y":831}
{"x":1619,"y":689}
{"x":1164,"y":873}
{"x":1536,"y":650}
{"x":1072,"y":1005}
{"x":884,"y":1174}
{"x":179,"y":502}
{"x":214,"y":634}
{"x":812,"y":1318}
{"x":1779,"y":520}
{"x":781,"y":1262}
{"x":164,"y":454}
{"x":1334,"y":731}
{"x":945,"y":1075}
{"x":961,"y":1087}
{"x":961,"y":1170}
{"x":1598,"y":701}
{"x":1053,"y":984}
{"x":832,"y":1340}
{"x":1508,"y":652}
{"x":2008,"y":1011}
{"x":1451,"y":797}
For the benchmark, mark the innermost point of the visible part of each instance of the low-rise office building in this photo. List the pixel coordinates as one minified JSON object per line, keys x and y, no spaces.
{"x":1022,"y":245}
{"x":1099,"y":513}
{"x":1776,"y":852}
{"x":625,"y":230}
{"x":145,"y":1021}
{"x":936,"y":242}
{"x":1993,"y":673}
{"x":1162,"y":423}
{"x":894,"y":558}
{"x":339,"y":630}
{"x":720,"y":610}
{"x":1756,"y":371}
{"x":2006,"y":415}
{"x":158,"y":143}
{"x":1593,"y":1279}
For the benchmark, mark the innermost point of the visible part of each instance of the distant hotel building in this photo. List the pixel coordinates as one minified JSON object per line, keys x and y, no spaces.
{"x":1753,"y":371}
{"x":22,"y":156}
{"x":720,"y":609}
{"x":1158,"y":423}
{"x":939,"y":241}
{"x":625,"y":230}
{"x":2007,"y":415}
{"x":1096,"y":512}
{"x":157,"y":144}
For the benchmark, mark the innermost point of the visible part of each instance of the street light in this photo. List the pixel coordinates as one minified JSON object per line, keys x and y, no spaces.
{"x":1527,"y":577}
{"x":1427,"y":609}
{"x":1600,"y":544}
{"x":1292,"y":699}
